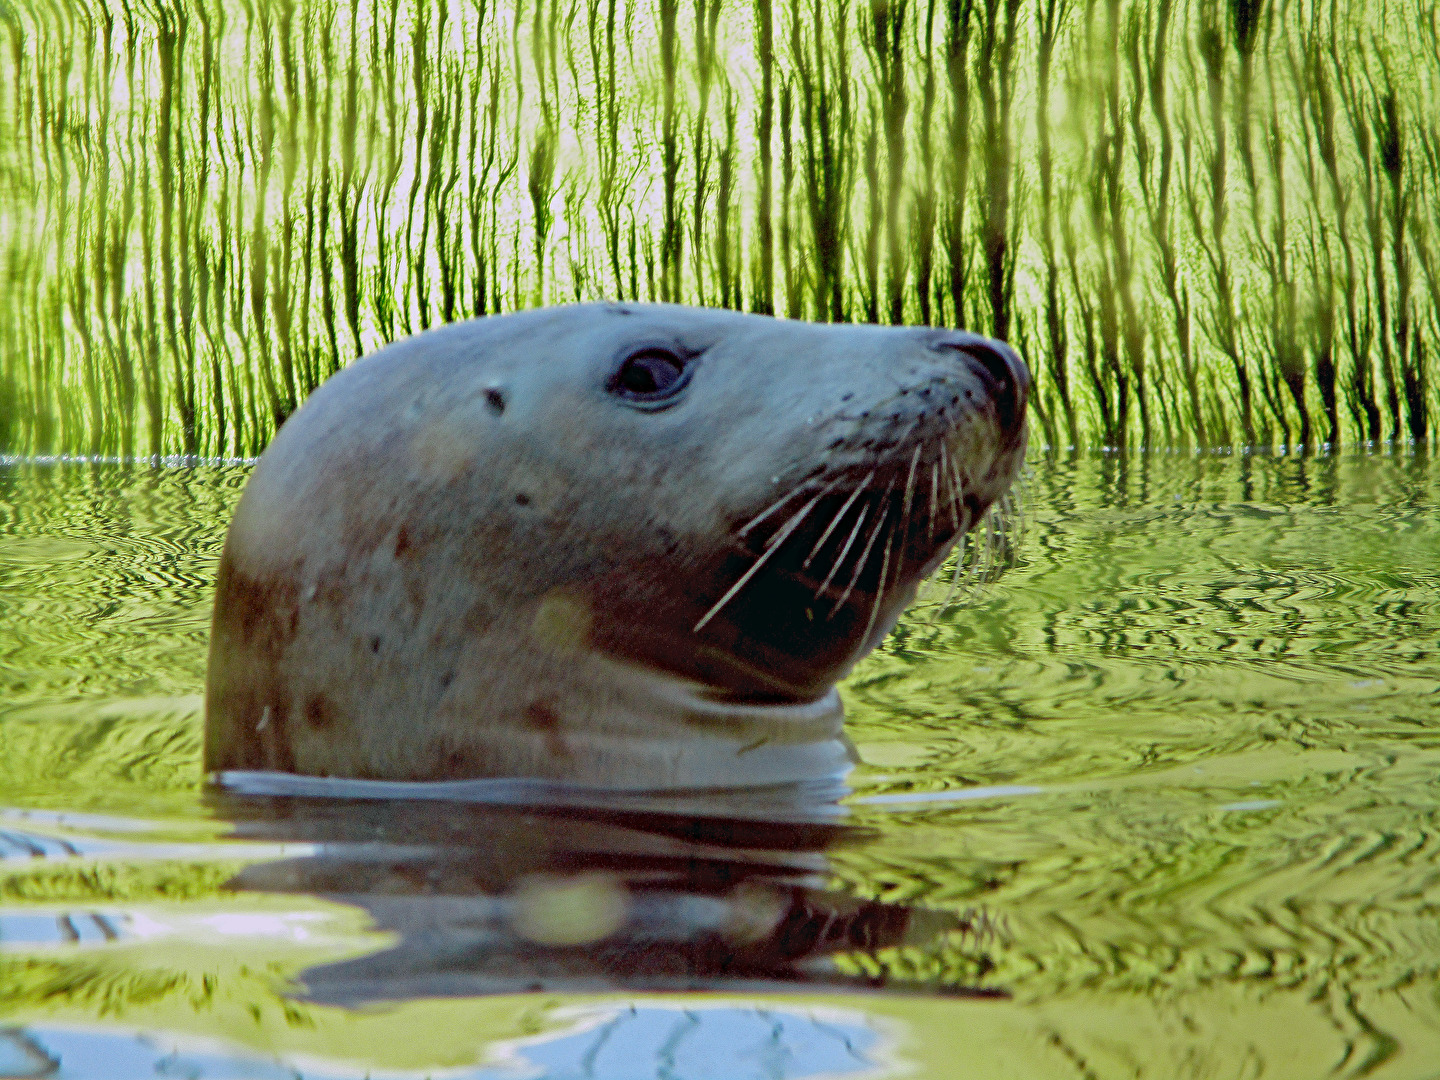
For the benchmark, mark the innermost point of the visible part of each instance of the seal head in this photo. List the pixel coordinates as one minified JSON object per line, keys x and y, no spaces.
{"x":626,"y":546}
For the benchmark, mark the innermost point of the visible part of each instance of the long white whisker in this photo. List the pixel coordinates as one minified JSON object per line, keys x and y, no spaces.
{"x":799,"y":515}
{"x":949,"y":471}
{"x":909,"y":490}
{"x":844,"y":509}
{"x":934,"y":497}
{"x":955,"y":575}
{"x":880,"y":589}
{"x":758,"y":518}
{"x":986,"y":557}
{"x":869,"y":543}
{"x":845,"y":550}
{"x":1015,"y":510}
{"x":770,"y":549}
{"x":902,"y":527}
{"x":956,"y":488}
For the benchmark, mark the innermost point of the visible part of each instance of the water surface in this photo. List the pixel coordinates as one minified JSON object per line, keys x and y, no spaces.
{"x":1159,"y":801}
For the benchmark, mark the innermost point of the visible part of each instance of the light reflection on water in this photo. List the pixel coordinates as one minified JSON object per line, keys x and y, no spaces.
{"x":708,"y":1042}
{"x":1173,"y":780}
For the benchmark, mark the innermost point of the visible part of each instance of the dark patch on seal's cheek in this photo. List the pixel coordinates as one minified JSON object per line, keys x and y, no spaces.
{"x":540,"y":715}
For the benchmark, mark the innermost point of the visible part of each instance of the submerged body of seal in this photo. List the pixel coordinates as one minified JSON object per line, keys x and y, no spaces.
{"x":623,"y":546}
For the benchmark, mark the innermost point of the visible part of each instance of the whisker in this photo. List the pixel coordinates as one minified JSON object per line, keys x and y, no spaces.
{"x":800,"y":514}
{"x":845,"y":550}
{"x":844,"y":509}
{"x":909,"y":490}
{"x":955,"y":575}
{"x":948,"y":469}
{"x":958,"y":512}
{"x":880,"y":589}
{"x":869,"y":543}
{"x":934,"y":497}
{"x":985,"y":558}
{"x":1014,"y":518}
{"x":770,"y":549}
{"x":903,"y":525}
{"x":758,"y":518}
{"x":861,"y":561}
{"x":956,"y":488}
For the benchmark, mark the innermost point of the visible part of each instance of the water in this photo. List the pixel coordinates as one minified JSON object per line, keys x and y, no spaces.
{"x":1160,"y":801}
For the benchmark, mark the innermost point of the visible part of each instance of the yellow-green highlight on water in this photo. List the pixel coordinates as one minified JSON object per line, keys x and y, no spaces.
{"x":1204,"y":223}
{"x":1176,"y":767}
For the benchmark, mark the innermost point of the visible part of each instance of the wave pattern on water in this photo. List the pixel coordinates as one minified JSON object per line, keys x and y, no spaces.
{"x":1178,"y":768}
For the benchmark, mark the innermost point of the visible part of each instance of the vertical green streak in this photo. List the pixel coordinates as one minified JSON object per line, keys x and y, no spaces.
{"x":352,"y":182}
{"x":884,"y":42}
{"x":1209,"y":214}
{"x":922,"y":231}
{"x":601,"y":37}
{"x":1050,"y":15}
{"x":670,"y":242}
{"x":203,"y":216}
{"x":415,"y":276}
{"x":702,"y":145}
{"x":995,"y":81}
{"x":727,"y":233}
{"x":825,"y":88}
{"x":957,"y":244}
{"x":763,"y":292}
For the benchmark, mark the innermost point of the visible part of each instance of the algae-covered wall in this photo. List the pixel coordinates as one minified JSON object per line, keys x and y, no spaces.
{"x":1204,"y":223}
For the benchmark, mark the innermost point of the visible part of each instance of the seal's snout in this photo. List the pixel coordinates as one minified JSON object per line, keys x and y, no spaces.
{"x":1006,"y":377}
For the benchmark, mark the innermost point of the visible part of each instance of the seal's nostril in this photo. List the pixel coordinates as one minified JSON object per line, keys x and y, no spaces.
{"x":1005,"y":374}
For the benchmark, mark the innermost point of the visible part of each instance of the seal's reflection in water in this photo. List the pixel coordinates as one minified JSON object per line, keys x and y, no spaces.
{"x":492,"y":889}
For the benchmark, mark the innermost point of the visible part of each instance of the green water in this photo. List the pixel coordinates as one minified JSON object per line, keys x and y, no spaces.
{"x":1177,"y":771}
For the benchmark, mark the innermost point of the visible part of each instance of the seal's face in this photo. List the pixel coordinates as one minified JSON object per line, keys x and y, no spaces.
{"x":761,"y":498}
{"x":456,"y":538}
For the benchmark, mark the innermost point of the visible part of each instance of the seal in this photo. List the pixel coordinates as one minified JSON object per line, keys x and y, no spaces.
{"x":620,"y":546}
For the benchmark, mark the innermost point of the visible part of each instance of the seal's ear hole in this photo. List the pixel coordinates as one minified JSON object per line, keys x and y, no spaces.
{"x":495,"y":400}
{"x":649,"y":375}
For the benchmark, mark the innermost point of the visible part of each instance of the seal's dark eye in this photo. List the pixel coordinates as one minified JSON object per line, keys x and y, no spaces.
{"x":649,"y":375}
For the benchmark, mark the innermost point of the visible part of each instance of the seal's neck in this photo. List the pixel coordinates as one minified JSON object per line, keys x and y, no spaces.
{"x":682,"y":734}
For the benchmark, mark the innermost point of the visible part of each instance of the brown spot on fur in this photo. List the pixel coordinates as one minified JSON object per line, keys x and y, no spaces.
{"x":318,"y":713}
{"x":266,"y":610}
{"x":256,"y":619}
{"x":541,"y":716}
{"x":456,"y":762}
{"x":402,"y":542}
